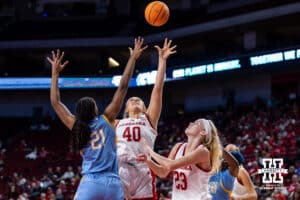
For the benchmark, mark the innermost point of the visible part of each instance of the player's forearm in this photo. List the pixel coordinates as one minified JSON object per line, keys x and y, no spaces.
{"x":158,"y":158}
{"x":232,"y":162}
{"x":252,"y":196}
{"x":159,"y":170}
{"x":160,"y":76}
{"x":127,"y":74}
{"x":121,"y":92}
{"x":54,"y":91}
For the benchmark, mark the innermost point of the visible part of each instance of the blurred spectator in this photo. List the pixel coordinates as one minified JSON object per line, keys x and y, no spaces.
{"x":32,"y":155}
{"x":43,"y":152}
{"x":68,"y":174}
{"x":57,"y":173}
{"x":46,"y":182}
{"x":277,"y":195}
{"x":59,"y":195}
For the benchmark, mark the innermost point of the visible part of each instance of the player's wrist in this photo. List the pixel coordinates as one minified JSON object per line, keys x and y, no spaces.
{"x":55,"y":74}
{"x":133,"y":57}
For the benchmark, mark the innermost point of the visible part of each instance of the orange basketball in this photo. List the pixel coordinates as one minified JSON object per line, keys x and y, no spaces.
{"x":157,"y":13}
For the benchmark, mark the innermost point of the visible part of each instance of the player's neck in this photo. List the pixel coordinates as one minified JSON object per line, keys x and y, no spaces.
{"x":192,"y":144}
{"x":135,"y":114}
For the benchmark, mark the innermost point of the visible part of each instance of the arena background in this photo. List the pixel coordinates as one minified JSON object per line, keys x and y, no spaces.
{"x":237,"y":63}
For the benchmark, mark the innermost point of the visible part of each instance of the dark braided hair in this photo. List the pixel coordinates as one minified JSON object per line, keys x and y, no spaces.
{"x":86,"y":111}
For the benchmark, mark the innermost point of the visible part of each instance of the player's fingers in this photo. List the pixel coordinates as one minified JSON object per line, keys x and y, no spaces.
{"x":53,"y":54}
{"x":169,"y":43}
{"x":140,"y":41}
{"x":173,"y":47}
{"x":145,"y":47}
{"x":61,"y":56}
{"x":57,"y":53}
{"x":64,"y":64}
{"x":166,"y":41}
{"x":130,"y":50}
{"x":49,"y":60}
{"x":157,"y":47}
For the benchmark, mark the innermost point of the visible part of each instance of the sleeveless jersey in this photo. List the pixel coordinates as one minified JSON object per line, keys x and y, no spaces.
{"x":99,"y":155}
{"x":189,"y":182}
{"x":220,"y":185}
{"x":238,"y":188}
{"x":129,"y":133}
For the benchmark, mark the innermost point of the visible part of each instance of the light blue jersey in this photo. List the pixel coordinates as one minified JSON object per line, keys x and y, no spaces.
{"x":99,"y":166}
{"x":100,"y":156}
{"x":221,"y":185}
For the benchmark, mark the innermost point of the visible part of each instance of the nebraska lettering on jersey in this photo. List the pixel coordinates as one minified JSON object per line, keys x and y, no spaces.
{"x":129,"y":132}
{"x":132,"y":124}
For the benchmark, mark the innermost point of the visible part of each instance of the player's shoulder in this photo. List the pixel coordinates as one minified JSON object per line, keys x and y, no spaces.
{"x":176,"y":148}
{"x":178,"y":145}
{"x":243,"y":173}
{"x":243,"y":170}
{"x":202,"y":149}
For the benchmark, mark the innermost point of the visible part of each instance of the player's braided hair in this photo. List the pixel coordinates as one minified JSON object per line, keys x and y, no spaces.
{"x":85,"y":111}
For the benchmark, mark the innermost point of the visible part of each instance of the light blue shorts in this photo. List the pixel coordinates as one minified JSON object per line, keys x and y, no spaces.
{"x":99,"y":187}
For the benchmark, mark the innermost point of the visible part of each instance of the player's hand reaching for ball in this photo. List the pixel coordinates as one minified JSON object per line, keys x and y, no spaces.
{"x":167,"y":49}
{"x":56,"y":61}
{"x":138,"y":48}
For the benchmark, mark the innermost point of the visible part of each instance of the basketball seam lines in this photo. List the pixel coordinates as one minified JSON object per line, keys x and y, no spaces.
{"x":158,"y":13}
{"x":149,"y":17}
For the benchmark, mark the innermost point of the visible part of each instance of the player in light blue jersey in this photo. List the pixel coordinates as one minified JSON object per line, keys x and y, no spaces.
{"x":221,"y":183}
{"x":94,"y":134}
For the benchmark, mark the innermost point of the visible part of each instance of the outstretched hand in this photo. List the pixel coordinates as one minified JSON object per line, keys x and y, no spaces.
{"x":56,"y":61}
{"x":138,"y":49}
{"x":167,"y":49}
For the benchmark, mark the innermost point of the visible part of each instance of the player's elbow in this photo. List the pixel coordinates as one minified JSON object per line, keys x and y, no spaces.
{"x":163,"y":174}
{"x":54,"y":102}
{"x":253,"y":196}
{"x":123,"y":86}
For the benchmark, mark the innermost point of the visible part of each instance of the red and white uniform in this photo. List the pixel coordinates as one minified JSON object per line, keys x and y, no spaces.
{"x":189,"y":182}
{"x":136,"y":177}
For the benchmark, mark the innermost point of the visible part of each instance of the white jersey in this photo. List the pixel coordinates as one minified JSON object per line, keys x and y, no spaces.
{"x":129,"y":133}
{"x":190,"y":182}
{"x":136,"y":177}
{"x":238,"y":188}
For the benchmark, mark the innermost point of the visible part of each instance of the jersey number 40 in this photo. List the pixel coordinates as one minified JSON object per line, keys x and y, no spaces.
{"x":132,"y":134}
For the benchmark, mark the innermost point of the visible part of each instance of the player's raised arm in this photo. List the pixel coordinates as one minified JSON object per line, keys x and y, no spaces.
{"x":113,"y":109}
{"x":61,"y":110}
{"x":155,"y":105}
{"x":232,"y":163}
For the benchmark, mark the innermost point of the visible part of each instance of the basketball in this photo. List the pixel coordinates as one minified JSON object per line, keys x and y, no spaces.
{"x":157,"y":13}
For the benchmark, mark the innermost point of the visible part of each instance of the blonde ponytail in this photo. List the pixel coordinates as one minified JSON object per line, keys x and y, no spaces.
{"x":215,"y":148}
